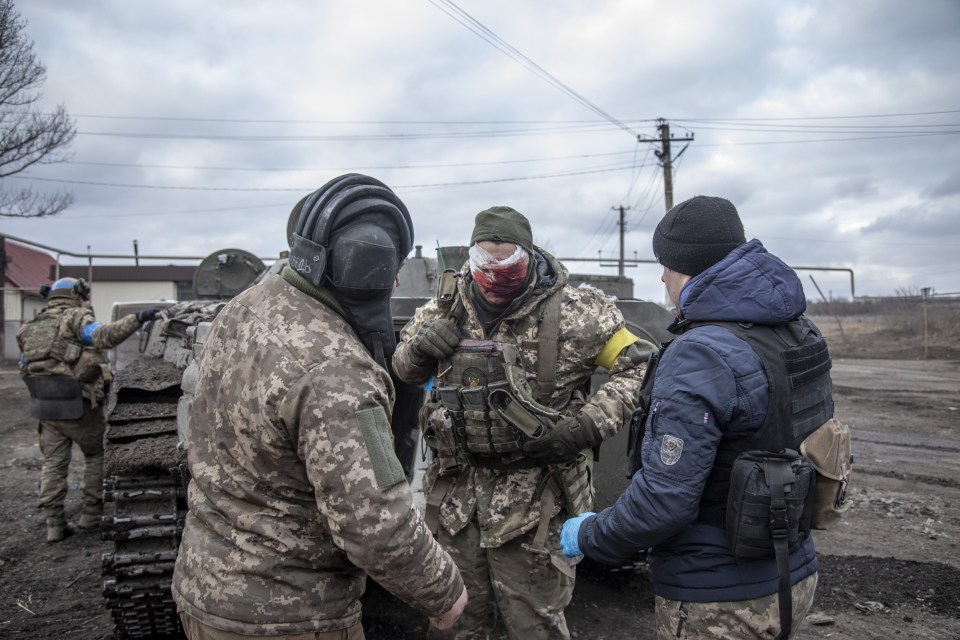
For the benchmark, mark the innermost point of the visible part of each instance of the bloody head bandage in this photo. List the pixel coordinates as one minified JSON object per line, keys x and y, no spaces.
{"x":499,"y":280}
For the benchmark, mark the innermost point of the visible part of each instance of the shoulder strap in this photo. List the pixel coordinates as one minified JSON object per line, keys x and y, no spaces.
{"x":638,"y":421}
{"x":779,"y":473}
{"x":548,"y":339}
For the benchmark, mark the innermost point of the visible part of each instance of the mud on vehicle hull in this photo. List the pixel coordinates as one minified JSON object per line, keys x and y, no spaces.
{"x":145,"y":472}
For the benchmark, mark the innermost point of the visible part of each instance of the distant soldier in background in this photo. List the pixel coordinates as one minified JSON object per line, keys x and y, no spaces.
{"x":63,"y":365}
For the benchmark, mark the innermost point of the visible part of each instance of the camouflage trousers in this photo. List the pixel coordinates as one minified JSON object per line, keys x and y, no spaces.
{"x":525,"y":588}
{"x":196,"y":630}
{"x":753,"y":619}
{"x":57,"y":438}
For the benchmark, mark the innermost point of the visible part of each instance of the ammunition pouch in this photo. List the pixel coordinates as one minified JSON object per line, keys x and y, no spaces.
{"x":576,"y":483}
{"x":89,"y":366}
{"x":476,"y":371}
{"x":55,"y":397}
{"x":828,"y":449}
{"x":438,"y":429}
{"x":65,"y":351}
{"x":58,"y":349}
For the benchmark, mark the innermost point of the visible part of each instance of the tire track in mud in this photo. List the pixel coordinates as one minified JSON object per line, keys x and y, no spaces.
{"x":908,"y":477}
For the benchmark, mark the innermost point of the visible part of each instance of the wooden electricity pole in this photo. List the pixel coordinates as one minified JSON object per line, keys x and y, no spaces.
{"x":666,"y":159}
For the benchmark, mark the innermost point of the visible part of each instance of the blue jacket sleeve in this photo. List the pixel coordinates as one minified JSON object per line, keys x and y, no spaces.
{"x":703,"y":389}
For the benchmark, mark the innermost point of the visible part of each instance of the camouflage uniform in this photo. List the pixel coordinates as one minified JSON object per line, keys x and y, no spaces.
{"x":758,"y":618}
{"x":296,"y":492}
{"x":489,"y":517}
{"x":70,"y":322}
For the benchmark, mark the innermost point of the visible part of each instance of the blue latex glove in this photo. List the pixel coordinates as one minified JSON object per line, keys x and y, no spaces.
{"x":568,"y":536}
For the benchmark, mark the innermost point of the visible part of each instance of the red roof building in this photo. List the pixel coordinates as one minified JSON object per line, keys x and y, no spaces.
{"x":27,"y":268}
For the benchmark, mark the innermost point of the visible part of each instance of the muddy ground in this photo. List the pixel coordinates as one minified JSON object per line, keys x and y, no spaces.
{"x":891,"y":569}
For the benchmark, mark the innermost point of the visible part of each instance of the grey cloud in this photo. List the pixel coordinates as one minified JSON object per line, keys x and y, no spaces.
{"x":948,"y":187}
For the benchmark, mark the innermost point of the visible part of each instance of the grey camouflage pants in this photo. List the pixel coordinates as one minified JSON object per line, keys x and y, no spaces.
{"x":748,"y":619}
{"x":525,"y":588}
{"x":56,"y":444}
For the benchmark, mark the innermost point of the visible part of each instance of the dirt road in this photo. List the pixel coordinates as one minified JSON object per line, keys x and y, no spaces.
{"x":892,"y":569}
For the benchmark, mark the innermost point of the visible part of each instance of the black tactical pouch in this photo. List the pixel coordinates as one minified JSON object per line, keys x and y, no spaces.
{"x":753,"y":520}
{"x":769,"y":508}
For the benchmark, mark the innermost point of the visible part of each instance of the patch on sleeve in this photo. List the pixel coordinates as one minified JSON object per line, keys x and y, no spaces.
{"x":376,"y":436}
{"x":670,"y":450}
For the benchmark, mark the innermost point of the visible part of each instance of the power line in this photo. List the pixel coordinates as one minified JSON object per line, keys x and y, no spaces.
{"x":828,"y":129}
{"x":343,"y":122}
{"x":375,"y":137}
{"x":496,"y":121}
{"x":474,"y":25}
{"x":436,"y":185}
{"x":853,"y":139}
{"x":361,"y":167}
{"x":847,"y":117}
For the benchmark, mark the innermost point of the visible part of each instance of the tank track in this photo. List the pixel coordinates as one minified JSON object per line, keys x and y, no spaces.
{"x":144,"y":498}
{"x":145,"y":521}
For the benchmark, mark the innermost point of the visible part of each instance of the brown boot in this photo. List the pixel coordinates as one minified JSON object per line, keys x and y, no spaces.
{"x":90,"y":517}
{"x":57,"y":528}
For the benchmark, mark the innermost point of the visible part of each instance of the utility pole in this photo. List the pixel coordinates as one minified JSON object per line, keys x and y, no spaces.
{"x":666,"y":159}
{"x":623,"y":232}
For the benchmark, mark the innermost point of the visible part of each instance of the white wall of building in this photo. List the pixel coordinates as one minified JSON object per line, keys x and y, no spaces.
{"x":17,"y":308}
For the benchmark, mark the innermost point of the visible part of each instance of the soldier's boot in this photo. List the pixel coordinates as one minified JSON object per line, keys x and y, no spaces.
{"x":90,"y":517}
{"x":57,"y":528}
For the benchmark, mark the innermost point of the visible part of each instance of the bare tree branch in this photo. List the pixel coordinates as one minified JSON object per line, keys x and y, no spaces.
{"x":28,"y":136}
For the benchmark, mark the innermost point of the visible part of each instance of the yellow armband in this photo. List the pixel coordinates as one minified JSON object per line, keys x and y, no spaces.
{"x":617,"y":342}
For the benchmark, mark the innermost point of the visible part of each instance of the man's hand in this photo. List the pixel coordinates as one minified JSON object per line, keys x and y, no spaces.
{"x":435,"y":340}
{"x":570,"y":535}
{"x":562,"y":442}
{"x":147,"y":315}
{"x":447,"y":620}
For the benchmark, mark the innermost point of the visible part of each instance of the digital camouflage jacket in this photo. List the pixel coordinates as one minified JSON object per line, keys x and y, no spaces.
{"x":296,"y":492}
{"x":66,"y":339}
{"x":507,"y":502}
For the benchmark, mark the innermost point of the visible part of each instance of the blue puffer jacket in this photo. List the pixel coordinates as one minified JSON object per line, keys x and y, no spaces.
{"x":709,"y":383}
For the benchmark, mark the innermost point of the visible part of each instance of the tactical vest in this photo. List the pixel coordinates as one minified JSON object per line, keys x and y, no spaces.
{"x":474,"y":371}
{"x":797,"y":363}
{"x":50,"y":360}
{"x":44,"y":338}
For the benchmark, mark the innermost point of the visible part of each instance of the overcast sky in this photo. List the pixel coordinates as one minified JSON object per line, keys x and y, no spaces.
{"x":833,"y":126}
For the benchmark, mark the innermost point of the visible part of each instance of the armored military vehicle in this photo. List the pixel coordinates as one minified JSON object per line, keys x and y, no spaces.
{"x":145,"y":475}
{"x":152,"y":390}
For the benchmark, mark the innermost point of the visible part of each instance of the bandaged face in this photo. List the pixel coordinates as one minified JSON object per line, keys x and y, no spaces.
{"x":499,"y":269}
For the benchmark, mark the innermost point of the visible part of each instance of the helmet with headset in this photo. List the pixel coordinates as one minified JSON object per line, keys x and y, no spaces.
{"x":67,"y":288}
{"x":351,"y":236}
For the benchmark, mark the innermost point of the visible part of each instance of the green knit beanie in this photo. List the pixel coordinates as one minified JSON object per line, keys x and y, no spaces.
{"x":502,"y":224}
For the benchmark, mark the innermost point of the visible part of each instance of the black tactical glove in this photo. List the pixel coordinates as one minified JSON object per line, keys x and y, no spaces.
{"x":147,"y":315}
{"x":436,"y":340}
{"x":562,"y":442}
